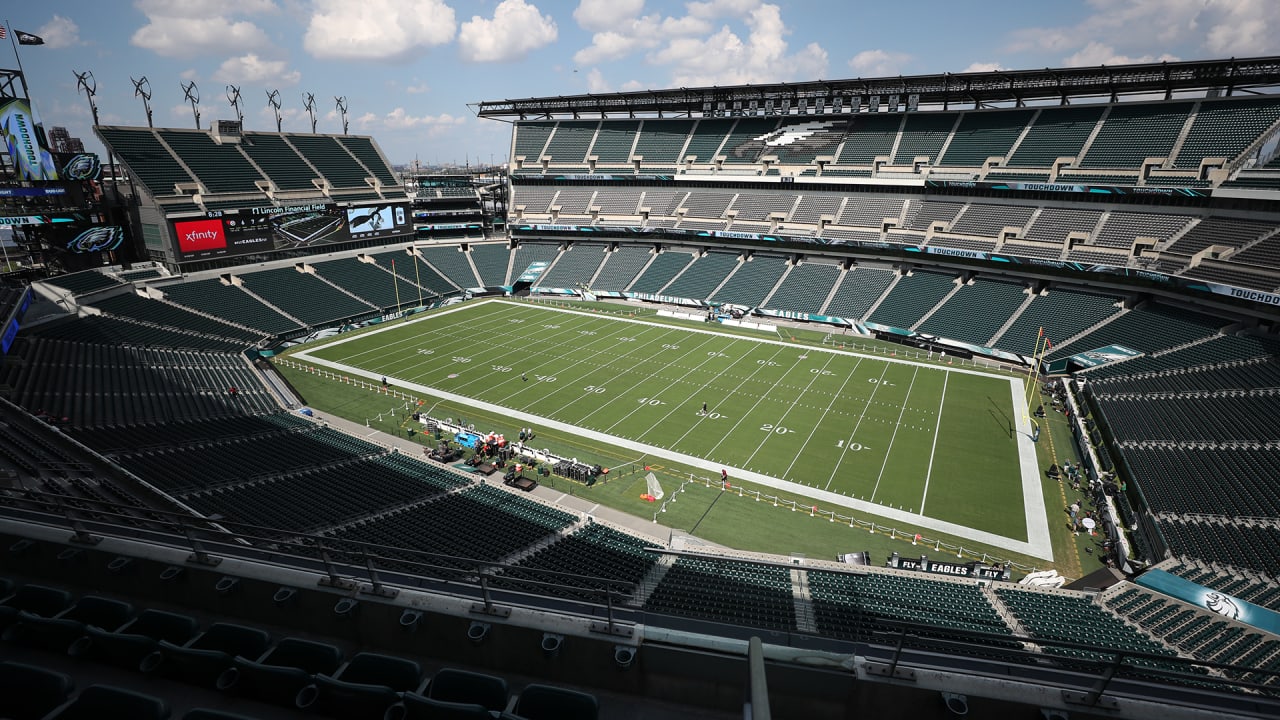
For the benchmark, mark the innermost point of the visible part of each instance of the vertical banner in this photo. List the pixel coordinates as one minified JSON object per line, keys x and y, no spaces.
{"x":25,"y":141}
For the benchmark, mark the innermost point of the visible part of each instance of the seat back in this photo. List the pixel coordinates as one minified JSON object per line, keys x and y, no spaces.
{"x":39,"y":600}
{"x":417,"y":707}
{"x":543,"y":702}
{"x":372,"y":668}
{"x":233,"y":640}
{"x":104,"y":701}
{"x":102,"y":612}
{"x":310,"y":656}
{"x":161,"y":625}
{"x":30,"y":691}
{"x":460,"y":686}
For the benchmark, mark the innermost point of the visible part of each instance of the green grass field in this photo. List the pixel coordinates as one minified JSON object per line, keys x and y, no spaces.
{"x":902,"y":439}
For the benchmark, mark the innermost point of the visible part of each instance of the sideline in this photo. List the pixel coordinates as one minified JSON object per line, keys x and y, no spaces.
{"x":1038,"y":543}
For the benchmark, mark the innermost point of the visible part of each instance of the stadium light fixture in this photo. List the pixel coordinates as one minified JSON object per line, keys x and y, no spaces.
{"x":191,"y":93}
{"x":142,"y":89}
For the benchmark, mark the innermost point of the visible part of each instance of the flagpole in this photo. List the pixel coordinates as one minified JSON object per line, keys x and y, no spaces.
{"x":13,"y":34}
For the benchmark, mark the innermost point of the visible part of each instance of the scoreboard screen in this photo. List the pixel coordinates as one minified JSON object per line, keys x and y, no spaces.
{"x":244,"y":231}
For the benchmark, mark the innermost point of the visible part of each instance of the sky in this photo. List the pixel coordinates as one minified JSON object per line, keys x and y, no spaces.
{"x":409,"y":69}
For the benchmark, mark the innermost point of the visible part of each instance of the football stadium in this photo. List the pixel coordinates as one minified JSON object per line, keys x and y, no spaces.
{"x":915,"y":396}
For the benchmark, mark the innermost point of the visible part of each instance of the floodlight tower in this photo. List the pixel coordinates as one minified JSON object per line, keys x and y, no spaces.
{"x":342,"y":111}
{"x":309,"y":104}
{"x":142,"y":89}
{"x":192,"y":93}
{"x":273,"y":99}
{"x":85,"y":82}
{"x":233,"y":97}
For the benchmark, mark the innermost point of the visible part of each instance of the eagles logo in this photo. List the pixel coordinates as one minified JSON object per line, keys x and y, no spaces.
{"x":82,"y":167}
{"x":1222,"y":605}
{"x":96,"y":239}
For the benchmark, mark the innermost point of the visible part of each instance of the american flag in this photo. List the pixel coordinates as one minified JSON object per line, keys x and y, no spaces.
{"x":3,"y":33}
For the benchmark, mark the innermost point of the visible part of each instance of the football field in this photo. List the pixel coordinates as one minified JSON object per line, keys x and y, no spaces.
{"x":941,"y":447}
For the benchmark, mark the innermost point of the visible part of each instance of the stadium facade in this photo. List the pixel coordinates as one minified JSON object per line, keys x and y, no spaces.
{"x":1127,"y":213}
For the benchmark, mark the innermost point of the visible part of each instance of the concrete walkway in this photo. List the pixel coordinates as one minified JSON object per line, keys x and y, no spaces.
{"x":661,"y":534}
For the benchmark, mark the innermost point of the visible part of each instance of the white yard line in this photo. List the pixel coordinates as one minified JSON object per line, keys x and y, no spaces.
{"x":794,"y":401}
{"x":1037,"y":545}
{"x":894,"y":436}
{"x":928,"y":474}
{"x":825,"y":412}
{"x":849,"y":441}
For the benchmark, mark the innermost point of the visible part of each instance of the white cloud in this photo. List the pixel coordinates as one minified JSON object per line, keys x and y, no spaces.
{"x":604,"y":15}
{"x":977,"y":67}
{"x":516,"y":29}
{"x":711,"y":9}
{"x":377,"y":29}
{"x":60,"y":32}
{"x":188,"y":28}
{"x":250,"y":68}
{"x":596,"y":82}
{"x":878,"y":63}
{"x":1096,"y":53}
{"x":417,"y":89}
{"x":725,"y":58}
{"x":1155,"y":30}
{"x":189,"y":74}
{"x":433,"y":125}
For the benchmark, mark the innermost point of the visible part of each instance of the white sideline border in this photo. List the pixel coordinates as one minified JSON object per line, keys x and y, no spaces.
{"x":1038,"y":543}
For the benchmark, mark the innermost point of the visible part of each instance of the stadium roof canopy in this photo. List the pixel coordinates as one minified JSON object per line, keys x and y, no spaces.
{"x":998,"y":88}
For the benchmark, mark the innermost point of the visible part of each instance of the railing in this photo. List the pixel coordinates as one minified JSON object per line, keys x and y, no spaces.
{"x":1087,"y":675}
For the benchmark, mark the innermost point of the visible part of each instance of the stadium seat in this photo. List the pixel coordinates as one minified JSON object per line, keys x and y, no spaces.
{"x":365,"y":686}
{"x":279,"y":674}
{"x":202,"y":659}
{"x":97,"y":702}
{"x":57,"y":633}
{"x":544,"y":702}
{"x":461,"y":686}
{"x":29,"y":692}
{"x":138,"y":638}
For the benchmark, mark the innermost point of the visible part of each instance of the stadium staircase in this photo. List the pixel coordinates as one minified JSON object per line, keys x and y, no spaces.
{"x":1088,"y":142}
{"x":311,"y":270}
{"x":1182,"y":137}
{"x":805,"y":621}
{"x":991,"y":342}
{"x":546,"y":541}
{"x":950,"y":294}
{"x":639,"y":273}
{"x":1031,"y":121}
{"x":822,"y":308}
{"x":263,"y":300}
{"x":159,"y":297}
{"x":888,"y":289}
{"x":651,"y":580}
{"x":1091,"y":328}
{"x":1004,"y":612}
{"x":170,"y":328}
{"x":740,"y":262}
{"x":764,"y":302}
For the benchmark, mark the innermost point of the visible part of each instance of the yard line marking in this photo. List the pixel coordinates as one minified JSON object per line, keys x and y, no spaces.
{"x":759,"y":399}
{"x":709,"y":358}
{"x":844,"y":450}
{"x":646,"y":379}
{"x":813,"y":379}
{"x":1039,"y":544}
{"x":825,"y":412}
{"x":929,"y":473}
{"x":894,"y":436}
